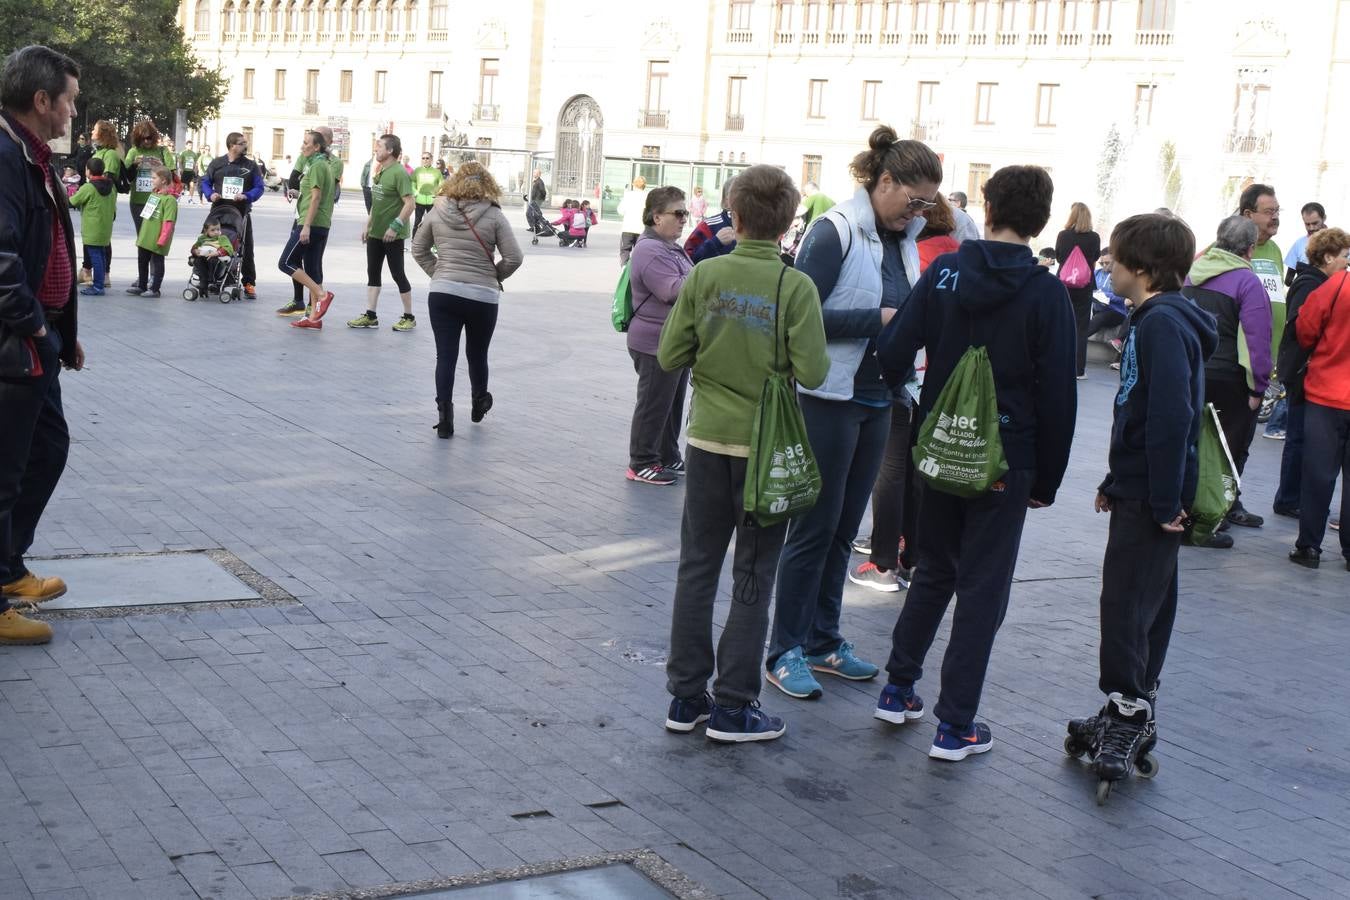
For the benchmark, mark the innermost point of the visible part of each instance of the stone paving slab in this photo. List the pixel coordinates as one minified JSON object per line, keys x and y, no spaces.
{"x":101,"y":582}
{"x":471,"y":678}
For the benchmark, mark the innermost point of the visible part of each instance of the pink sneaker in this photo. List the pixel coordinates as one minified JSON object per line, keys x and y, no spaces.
{"x":306,"y":322}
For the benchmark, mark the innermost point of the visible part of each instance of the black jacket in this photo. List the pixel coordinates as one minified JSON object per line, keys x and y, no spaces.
{"x":1159,"y":404}
{"x":1292,"y":363}
{"x":538,"y":193}
{"x":27,"y":206}
{"x":1089,"y":242}
{"x":994,"y":294}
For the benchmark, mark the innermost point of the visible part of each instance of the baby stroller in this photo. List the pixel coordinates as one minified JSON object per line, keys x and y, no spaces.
{"x":534,"y":217}
{"x":225,"y":279}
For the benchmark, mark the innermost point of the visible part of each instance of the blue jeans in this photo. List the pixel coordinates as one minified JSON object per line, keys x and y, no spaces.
{"x":99,"y":260}
{"x":1279,"y":416}
{"x":1291,"y":461}
{"x":849,"y":440}
{"x":34,"y":443}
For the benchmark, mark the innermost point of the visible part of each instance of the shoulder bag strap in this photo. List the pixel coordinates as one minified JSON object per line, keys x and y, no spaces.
{"x":777,"y":299}
{"x":492,"y":261}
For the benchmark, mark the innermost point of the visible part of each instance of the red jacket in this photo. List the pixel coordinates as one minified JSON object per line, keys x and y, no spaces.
{"x":1323,"y":324}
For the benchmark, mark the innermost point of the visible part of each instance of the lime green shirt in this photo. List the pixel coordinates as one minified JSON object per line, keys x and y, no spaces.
{"x":387,"y":191}
{"x":320,"y":177}
{"x":112,"y":162}
{"x":159,"y":208}
{"x":187,"y":160}
{"x":426,"y":179}
{"x":142,"y":165}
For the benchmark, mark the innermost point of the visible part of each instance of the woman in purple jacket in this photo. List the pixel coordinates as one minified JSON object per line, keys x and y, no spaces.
{"x":656,"y":270}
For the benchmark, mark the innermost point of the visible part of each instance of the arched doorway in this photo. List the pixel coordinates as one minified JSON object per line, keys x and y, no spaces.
{"x":581,"y":153}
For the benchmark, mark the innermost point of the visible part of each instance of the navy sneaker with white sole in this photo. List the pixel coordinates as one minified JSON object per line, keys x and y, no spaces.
{"x":955,"y":744}
{"x":687,"y":714}
{"x":898,"y":705}
{"x":742,"y":724}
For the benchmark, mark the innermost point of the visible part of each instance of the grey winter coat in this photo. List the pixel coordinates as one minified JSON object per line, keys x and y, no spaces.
{"x":460,"y":265}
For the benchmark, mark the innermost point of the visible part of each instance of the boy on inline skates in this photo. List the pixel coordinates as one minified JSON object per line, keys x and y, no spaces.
{"x":1150,"y":486}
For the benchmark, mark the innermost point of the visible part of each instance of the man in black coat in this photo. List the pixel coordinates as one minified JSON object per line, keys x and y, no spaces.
{"x":38,"y":87}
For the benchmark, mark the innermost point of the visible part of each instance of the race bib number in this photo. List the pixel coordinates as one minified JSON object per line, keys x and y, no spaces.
{"x":151,"y":204}
{"x":232,"y":187}
{"x":1271,"y":279}
{"x":144,"y":181}
{"x":189,"y":164}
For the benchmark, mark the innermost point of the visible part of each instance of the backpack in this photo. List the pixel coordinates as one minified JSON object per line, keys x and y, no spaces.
{"x":1075,"y":271}
{"x":959,"y":450}
{"x":621,"y":312}
{"x":1217,"y":480}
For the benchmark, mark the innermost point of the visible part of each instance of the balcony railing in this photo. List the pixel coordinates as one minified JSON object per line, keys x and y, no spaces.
{"x":1037,"y":39}
{"x":948,"y":38}
{"x":919,"y":38}
{"x":837,"y":37}
{"x":311,"y":107}
{"x":652,"y":118}
{"x":433,"y":110}
{"x":1248,"y":142}
{"x":1007,"y":39}
{"x":735,"y":122}
{"x":1153,"y":38}
{"x":1101,"y":39}
{"x":863,"y":37}
{"x":924,"y":131}
{"x":1070,"y":40}
{"x":438,"y":34}
{"x":784,"y":37}
{"x":740,"y":36}
{"x":486,"y":112}
{"x":977,"y":40}
{"x":892,"y":37}
{"x":811,"y":37}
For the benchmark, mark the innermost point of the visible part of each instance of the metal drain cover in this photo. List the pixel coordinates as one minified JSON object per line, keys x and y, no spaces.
{"x":617,"y":882}
{"x":170,"y":579}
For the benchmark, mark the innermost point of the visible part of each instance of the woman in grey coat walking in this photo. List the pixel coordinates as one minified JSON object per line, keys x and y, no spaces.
{"x":468,"y":230}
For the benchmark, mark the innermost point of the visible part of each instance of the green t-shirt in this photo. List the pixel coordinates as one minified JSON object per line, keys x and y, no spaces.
{"x":387,"y":190}
{"x":112,"y":162}
{"x":320,"y":177}
{"x":159,"y":208}
{"x":220,"y":242}
{"x":426,"y":179}
{"x":722,"y":326}
{"x":335,"y":166}
{"x":1268,"y":264}
{"x":188,"y":161}
{"x":142,"y":165}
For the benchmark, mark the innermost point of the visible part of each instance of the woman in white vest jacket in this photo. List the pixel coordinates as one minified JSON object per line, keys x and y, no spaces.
{"x":862,"y":258}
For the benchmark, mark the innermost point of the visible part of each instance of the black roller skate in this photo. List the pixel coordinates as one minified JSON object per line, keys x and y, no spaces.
{"x":1127,"y":734}
{"x":1084,"y":736}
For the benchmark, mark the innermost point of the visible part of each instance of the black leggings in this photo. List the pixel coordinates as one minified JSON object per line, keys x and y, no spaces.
{"x":377,"y":251}
{"x":449,"y":316}
{"x":149,"y":265}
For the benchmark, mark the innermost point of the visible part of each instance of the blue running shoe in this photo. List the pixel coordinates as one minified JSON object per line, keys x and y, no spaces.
{"x":898,"y":705}
{"x":741,"y":724}
{"x":791,"y":675}
{"x":951,"y":743}
{"x":686,"y":715}
{"x":843,"y":663}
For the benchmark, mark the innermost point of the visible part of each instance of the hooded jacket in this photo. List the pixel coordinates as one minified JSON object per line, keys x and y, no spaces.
{"x":1292,"y":363}
{"x":461,"y":266}
{"x":97,"y":202}
{"x":1324,"y":331}
{"x":1224,"y":285}
{"x":994,"y":294}
{"x":1159,"y":405}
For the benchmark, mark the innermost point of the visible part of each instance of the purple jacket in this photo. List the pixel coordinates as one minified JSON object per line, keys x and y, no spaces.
{"x":1251,"y":308}
{"x":656,"y":271}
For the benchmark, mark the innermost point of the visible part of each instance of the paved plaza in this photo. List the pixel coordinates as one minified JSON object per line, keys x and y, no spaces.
{"x":470,"y":676}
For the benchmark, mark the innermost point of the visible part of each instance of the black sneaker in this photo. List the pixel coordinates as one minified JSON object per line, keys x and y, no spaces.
{"x":676,"y":467}
{"x":1216,"y":541}
{"x":1244,"y":519}
{"x":863,"y":545}
{"x":651,"y":475}
{"x":1287,"y":512}
{"x":1308,"y":557}
{"x":151,"y":294}
{"x":292,"y":309}
{"x":135,"y":290}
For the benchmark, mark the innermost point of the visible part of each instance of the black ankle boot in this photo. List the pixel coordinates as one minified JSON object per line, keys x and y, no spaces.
{"x":481,"y":404}
{"x":446,"y":426}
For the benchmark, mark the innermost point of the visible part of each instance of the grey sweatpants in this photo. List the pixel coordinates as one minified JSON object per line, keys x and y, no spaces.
{"x":713,"y":496}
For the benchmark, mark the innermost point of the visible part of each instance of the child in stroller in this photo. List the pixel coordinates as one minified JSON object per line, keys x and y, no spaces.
{"x":215,"y":255}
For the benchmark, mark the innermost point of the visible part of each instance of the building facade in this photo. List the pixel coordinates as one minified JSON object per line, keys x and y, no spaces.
{"x":1132,"y":104}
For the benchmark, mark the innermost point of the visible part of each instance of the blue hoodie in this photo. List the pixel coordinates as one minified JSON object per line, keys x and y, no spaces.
{"x":993,"y":293}
{"x":1159,"y":404}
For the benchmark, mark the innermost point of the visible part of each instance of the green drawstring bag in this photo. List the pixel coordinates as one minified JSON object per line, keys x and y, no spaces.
{"x":621,"y":312}
{"x":1217,"y":484}
{"x":959,"y":450}
{"x":782,"y":479}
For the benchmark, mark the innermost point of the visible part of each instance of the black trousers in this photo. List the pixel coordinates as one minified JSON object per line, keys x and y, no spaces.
{"x":890,"y":494}
{"x":654,"y":436}
{"x":1236,"y":418}
{"x":34,"y":443}
{"x":713,"y":499}
{"x":1081,"y":300}
{"x":626,"y":241}
{"x":966,"y":547}
{"x":136,"y":210}
{"x":418,"y":212}
{"x":379,"y":252}
{"x":1326,"y":454}
{"x":1139,"y":599}
{"x":365,"y":192}
{"x":248,"y":270}
{"x":149,"y":265}
{"x":1105,"y":318}
{"x":450,"y":317}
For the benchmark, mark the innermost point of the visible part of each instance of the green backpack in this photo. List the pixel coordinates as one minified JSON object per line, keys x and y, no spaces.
{"x":782,"y":478}
{"x":621,"y":311}
{"x":959,"y":450}
{"x":1217,"y":482}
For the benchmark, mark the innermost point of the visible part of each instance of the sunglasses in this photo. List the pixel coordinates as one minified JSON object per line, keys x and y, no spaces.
{"x":681,"y":214}
{"x":915,"y":204}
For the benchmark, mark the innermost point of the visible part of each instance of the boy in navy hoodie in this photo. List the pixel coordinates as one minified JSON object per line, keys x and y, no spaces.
{"x":989,"y":293}
{"x":1150,"y":485}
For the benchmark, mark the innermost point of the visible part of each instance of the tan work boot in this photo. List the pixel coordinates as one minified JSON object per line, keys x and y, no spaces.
{"x":15,"y":629}
{"x":30,"y":590}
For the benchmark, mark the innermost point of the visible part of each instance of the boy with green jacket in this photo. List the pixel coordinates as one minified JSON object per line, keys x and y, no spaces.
{"x":734,"y":316}
{"x":155,"y":236}
{"x":97,"y":202}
